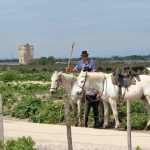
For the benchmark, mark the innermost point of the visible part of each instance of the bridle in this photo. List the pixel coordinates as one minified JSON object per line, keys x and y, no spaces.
{"x":82,"y":87}
{"x":59,"y":81}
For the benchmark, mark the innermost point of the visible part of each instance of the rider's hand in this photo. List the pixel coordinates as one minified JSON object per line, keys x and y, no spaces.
{"x":69,"y":69}
{"x":98,"y":96}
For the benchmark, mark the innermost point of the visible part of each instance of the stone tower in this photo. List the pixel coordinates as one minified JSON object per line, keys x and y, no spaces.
{"x":26,"y":54}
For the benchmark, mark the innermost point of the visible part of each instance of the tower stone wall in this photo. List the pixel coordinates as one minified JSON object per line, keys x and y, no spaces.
{"x":26,"y":53}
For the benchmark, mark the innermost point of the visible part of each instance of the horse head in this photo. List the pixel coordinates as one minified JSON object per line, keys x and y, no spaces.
{"x":78,"y":88}
{"x":55,"y":81}
{"x":86,"y":80}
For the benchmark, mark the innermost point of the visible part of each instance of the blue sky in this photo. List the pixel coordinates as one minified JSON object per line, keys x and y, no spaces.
{"x":102,"y":27}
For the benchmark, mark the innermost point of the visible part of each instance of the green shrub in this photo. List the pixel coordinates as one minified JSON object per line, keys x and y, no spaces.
{"x":12,"y":75}
{"x":38,"y":111}
{"x":138,"y":121}
{"x":138,"y":148}
{"x":8,"y":98}
{"x":61,"y":94}
{"x":9,"y":76}
{"x":37,"y":76}
{"x":25,"y":87}
{"x":49,"y":113}
{"x":23,"y":143}
{"x":8,"y":102}
{"x":1,"y":145}
{"x":139,"y":115}
{"x":26,"y":107}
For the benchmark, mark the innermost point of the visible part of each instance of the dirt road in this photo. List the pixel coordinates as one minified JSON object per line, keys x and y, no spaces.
{"x":53,"y":137}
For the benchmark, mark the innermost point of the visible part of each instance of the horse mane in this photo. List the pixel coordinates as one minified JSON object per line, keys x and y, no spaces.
{"x":68,"y":75}
{"x":94,"y":75}
{"x":66,"y":78}
{"x":65,"y":75}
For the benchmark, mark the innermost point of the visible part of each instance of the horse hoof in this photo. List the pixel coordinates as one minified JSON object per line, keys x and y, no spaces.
{"x":147,"y":128}
{"x":80,"y":125}
{"x":121,"y":129}
{"x":76,"y":125}
{"x":105,"y":126}
{"x":117,"y":127}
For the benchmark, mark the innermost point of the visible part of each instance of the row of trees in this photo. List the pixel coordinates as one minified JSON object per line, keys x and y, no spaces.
{"x":51,"y":59}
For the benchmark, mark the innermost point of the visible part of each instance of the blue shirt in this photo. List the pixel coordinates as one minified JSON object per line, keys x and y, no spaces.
{"x":81,"y":65}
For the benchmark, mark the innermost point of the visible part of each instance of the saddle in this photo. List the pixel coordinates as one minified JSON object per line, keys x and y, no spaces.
{"x":123,"y":80}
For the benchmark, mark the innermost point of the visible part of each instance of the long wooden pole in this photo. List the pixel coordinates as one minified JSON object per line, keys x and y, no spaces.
{"x":129,"y":125}
{"x":1,"y":121}
{"x":68,"y":125}
{"x":70,"y":54}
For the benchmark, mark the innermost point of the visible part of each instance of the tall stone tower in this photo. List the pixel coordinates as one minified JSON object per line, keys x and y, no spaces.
{"x":26,"y":54}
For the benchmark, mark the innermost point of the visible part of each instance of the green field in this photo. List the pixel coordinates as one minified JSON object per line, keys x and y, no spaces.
{"x":26,"y":96}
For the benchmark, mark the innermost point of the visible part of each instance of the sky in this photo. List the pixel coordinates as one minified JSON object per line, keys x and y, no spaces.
{"x":104,"y":28}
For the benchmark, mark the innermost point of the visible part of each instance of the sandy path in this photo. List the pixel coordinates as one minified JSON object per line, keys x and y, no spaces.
{"x":49,"y":137}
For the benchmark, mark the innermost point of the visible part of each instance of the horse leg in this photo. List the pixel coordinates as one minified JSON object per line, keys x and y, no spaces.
{"x":106,"y":114}
{"x":101,"y":112}
{"x":146,"y":101}
{"x":113,"y":104}
{"x":75,"y":113}
{"x":79,"y":112}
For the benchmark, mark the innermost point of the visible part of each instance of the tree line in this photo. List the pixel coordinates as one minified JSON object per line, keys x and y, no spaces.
{"x":52,"y":59}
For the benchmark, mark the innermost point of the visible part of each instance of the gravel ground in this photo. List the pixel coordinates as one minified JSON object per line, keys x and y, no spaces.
{"x":53,"y":137}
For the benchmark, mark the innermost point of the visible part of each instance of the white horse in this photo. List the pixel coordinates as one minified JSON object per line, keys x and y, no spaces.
{"x":68,"y":81}
{"x":109,"y":92}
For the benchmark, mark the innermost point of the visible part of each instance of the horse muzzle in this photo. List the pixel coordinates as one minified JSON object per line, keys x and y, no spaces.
{"x":52,"y":91}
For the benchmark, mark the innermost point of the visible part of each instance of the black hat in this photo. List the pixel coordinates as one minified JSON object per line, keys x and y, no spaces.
{"x":84,"y":53}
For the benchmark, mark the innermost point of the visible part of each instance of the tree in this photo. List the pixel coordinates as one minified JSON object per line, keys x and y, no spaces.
{"x":43,"y":61}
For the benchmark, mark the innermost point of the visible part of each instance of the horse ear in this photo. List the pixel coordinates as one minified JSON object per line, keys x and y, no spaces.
{"x":60,"y":73}
{"x":81,"y":73}
{"x":55,"y":71}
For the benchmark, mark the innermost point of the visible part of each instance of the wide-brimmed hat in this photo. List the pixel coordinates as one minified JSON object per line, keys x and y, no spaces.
{"x":84,"y":53}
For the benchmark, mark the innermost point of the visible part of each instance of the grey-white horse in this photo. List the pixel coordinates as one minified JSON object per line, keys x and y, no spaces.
{"x":109,"y":92}
{"x":68,"y":81}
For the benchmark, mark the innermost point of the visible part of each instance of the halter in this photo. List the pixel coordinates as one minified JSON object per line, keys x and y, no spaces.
{"x":60,"y":81}
{"x":57,"y":84}
{"x":82,"y":87}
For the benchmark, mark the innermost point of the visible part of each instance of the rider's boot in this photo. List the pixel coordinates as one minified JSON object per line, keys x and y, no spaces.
{"x":86,"y":122}
{"x":96,"y":122}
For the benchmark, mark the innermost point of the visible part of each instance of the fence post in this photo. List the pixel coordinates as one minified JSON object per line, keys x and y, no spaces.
{"x":1,"y":121}
{"x":129,"y":124}
{"x":68,"y":125}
